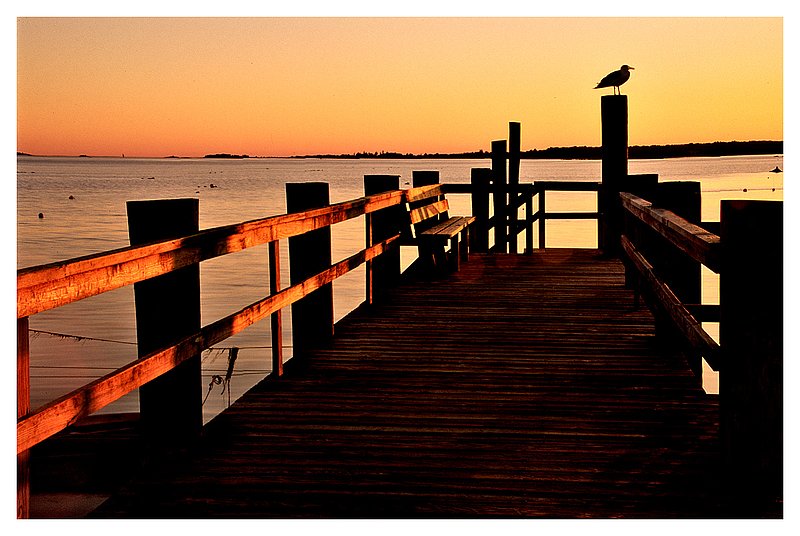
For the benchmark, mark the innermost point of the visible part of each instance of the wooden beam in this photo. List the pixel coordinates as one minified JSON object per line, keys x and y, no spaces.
{"x":276,"y":318}
{"x":57,"y":415}
{"x":691,"y":239}
{"x":666,"y":300}
{"x":23,"y":407}
{"x":48,"y":286}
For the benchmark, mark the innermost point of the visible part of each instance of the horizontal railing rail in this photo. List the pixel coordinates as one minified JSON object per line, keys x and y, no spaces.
{"x":53,"y":285}
{"x":693,"y":240}
{"x":684,"y":238}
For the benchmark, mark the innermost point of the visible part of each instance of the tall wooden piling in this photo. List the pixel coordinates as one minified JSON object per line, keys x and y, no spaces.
{"x":309,"y":254}
{"x":514,"y":142}
{"x":383,"y":272}
{"x":23,"y":407}
{"x":500,"y":196}
{"x":514,"y":132}
{"x":480,"y":179}
{"x":751,"y":338}
{"x":680,"y":272}
{"x":614,"y":119}
{"x":168,"y":309}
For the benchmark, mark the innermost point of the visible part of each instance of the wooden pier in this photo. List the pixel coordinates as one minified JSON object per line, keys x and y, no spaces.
{"x":483,"y":381}
{"x":523,"y":386}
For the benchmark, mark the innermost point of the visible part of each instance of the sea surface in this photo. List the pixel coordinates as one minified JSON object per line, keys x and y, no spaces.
{"x":82,"y":202}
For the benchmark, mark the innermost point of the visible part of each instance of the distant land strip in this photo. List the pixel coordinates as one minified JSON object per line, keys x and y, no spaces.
{"x":717,"y":148}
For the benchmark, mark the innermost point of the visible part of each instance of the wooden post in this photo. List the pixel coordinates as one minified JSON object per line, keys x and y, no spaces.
{"x":513,"y":181}
{"x":680,"y":272}
{"x":500,"y":196}
{"x":310,"y":254}
{"x":480,"y":179}
{"x":751,"y":340}
{"x":383,"y":272}
{"x":542,"y":219}
{"x":614,"y":118}
{"x":529,"y":222}
{"x":23,"y":408}
{"x":168,"y":309}
{"x":276,"y":319}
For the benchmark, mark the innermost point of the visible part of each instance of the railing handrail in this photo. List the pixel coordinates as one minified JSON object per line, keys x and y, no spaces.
{"x":44,"y":287}
{"x":56,"y":284}
{"x":696,"y":242}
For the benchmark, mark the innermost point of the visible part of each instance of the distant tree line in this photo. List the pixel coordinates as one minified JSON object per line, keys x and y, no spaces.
{"x":226,"y":155}
{"x":717,"y":148}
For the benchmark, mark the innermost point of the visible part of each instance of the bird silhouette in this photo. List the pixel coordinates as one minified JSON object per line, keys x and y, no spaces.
{"x":615,"y":79}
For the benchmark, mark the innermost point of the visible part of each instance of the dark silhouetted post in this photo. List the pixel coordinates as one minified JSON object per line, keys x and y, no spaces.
{"x":23,"y":407}
{"x":276,"y":318}
{"x":383,"y":272}
{"x":310,"y":254}
{"x":514,"y":132}
{"x":614,"y":118}
{"x":680,"y":272}
{"x":751,"y":340}
{"x":167,"y":310}
{"x":500,"y":195}
{"x":480,"y":179}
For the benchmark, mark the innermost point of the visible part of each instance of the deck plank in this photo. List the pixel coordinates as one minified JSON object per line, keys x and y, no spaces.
{"x":522,"y":386}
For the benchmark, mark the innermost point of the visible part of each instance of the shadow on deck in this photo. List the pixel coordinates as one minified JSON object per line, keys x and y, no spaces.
{"x":523,"y":386}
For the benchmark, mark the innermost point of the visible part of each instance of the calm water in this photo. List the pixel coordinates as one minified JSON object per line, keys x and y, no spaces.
{"x":95,"y":220}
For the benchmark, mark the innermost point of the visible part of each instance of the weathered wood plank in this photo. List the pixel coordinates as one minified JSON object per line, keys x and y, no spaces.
{"x":48,"y":286}
{"x":428,"y":211}
{"x":57,"y":415}
{"x":682,"y":319}
{"x":522,"y":386}
{"x":692,"y":239}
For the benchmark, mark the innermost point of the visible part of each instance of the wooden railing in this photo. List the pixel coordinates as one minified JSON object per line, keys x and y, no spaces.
{"x":505,"y":221}
{"x":663,"y":253}
{"x":46,"y":287}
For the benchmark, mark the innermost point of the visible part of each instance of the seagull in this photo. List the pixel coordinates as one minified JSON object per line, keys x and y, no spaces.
{"x":615,"y":79}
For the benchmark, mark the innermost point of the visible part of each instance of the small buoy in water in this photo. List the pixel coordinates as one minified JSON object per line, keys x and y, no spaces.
{"x":72,"y":197}
{"x":41,"y":216}
{"x":744,"y":189}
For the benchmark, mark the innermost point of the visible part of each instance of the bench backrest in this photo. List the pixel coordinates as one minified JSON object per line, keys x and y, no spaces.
{"x":426,"y":207}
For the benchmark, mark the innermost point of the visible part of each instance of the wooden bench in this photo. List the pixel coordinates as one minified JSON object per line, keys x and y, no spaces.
{"x":432,"y":228}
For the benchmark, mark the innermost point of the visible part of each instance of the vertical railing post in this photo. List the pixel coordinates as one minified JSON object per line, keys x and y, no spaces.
{"x":514,"y":134}
{"x":529,"y":220}
{"x":168,"y":309}
{"x":480,"y":180}
{"x":276,"y":319}
{"x":614,"y":119}
{"x":500,"y":196}
{"x":751,"y":340}
{"x":310,"y":254}
{"x":23,"y":408}
{"x":383,"y":272}
{"x":542,"y":218}
{"x":680,"y":272}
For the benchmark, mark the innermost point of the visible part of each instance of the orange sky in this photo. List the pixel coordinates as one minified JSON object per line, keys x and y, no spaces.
{"x":285,"y":86}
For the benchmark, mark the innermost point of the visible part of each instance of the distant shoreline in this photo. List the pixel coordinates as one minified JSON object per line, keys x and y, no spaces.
{"x":635,"y":152}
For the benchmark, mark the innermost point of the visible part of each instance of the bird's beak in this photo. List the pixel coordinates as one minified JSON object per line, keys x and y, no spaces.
{"x":631,"y":68}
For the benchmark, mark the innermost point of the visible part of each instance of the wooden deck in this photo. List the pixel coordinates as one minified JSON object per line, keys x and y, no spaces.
{"x":523,"y":386}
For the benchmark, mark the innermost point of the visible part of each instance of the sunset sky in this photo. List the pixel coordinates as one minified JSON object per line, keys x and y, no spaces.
{"x":277,"y":86}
